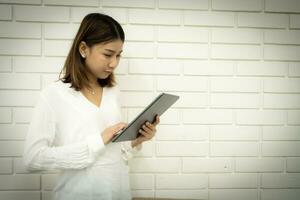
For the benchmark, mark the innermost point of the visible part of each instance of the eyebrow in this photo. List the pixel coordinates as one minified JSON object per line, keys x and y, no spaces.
{"x":112,"y":50}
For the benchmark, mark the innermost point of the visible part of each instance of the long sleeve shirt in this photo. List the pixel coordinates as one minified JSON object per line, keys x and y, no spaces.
{"x":65,"y":130}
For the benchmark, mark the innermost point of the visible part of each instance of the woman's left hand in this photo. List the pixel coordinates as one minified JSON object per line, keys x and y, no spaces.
{"x":147,"y":132}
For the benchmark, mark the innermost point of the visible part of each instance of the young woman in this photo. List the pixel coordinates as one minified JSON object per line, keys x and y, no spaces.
{"x":76,"y":117}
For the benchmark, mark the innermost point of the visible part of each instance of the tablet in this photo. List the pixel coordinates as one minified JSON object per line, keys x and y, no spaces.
{"x":157,"y":107}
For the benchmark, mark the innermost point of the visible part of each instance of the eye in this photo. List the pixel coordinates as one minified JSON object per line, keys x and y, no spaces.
{"x":119,"y":55}
{"x":107,"y":55}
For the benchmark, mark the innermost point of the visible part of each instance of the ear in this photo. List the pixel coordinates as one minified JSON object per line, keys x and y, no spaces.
{"x":83,"y":49}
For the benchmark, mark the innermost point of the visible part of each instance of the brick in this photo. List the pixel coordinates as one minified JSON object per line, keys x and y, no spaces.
{"x":171,"y":132}
{"x":233,"y":181}
{"x":281,"y":133}
{"x":20,"y":30}
{"x":136,"y":83}
{"x":139,"y":32}
{"x":196,"y":67}
{"x":38,"y":64}
{"x":169,"y":165}
{"x":237,"y":36}
{"x":282,"y":6}
{"x":237,"y":5}
{"x":20,"y":47}
{"x":142,"y":193}
{"x":5,"y":12}
{"x":5,"y":166}
{"x":294,"y":69}
{"x":239,"y":52}
{"x":11,"y":81}
{"x":182,"y":194}
{"x":20,"y":195}
{"x":280,"y":180}
{"x":181,"y":149}
{"x":282,"y":85}
{"x":49,"y":181}
{"x":258,"y":68}
{"x":282,"y":37}
{"x":286,"y":101}
{"x":22,"y":1}
{"x":72,"y":2}
{"x":142,"y":181}
{"x":282,"y":52}
{"x":20,"y":182}
{"x":41,"y":14}
{"x":262,"y":20}
{"x":11,"y":148}
{"x":293,"y":165}
{"x":277,"y":194}
{"x":16,"y":98}
{"x":56,"y":47}
{"x":293,"y":117}
{"x":5,"y":115}
{"x":227,"y":194}
{"x":128,"y":3}
{"x":281,"y":148}
{"x":208,"y":18}
{"x":145,"y":50}
{"x":22,"y":115}
{"x":122,"y":67}
{"x":259,"y":165}
{"x":5,"y":64}
{"x":146,"y":16}
{"x":60,"y":31}
{"x":235,"y":101}
{"x":234,"y":133}
{"x":207,"y":165}
{"x":119,"y":14}
{"x":201,"y":116}
{"x":136,"y":99}
{"x":193,"y":84}
{"x":192,"y":100}
{"x":234,"y":149}
{"x":181,"y":181}
{"x":157,"y":66}
{"x":178,"y":50}
{"x":183,"y":34}
{"x":12,"y":132}
{"x":234,"y":85}
{"x":190,"y":4}
{"x":294,"y":21}
{"x":147,"y":151}
{"x":263,"y":117}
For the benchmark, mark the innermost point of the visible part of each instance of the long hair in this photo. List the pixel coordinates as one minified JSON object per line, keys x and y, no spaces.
{"x":95,"y":28}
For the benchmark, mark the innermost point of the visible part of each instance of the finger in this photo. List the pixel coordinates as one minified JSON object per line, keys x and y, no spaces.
{"x":157,"y":120}
{"x":144,"y":133}
{"x":151,"y":126}
{"x":147,"y":129}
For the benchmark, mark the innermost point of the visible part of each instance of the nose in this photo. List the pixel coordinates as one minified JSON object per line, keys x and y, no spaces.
{"x":114,"y":62}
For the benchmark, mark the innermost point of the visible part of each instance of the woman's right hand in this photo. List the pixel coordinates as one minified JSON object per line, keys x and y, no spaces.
{"x":111,"y":131}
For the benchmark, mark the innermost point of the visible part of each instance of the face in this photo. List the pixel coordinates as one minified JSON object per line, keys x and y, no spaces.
{"x":103,"y":58}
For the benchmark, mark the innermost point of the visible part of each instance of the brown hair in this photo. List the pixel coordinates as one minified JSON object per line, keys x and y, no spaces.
{"x":95,"y":28}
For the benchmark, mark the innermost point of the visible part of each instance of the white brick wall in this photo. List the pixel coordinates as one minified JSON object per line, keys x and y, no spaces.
{"x":234,"y":133}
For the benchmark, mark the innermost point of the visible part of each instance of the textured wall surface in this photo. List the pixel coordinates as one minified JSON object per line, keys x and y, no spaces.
{"x":234,"y":133}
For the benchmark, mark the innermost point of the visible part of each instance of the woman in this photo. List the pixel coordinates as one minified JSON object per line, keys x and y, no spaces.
{"x":76,"y":117}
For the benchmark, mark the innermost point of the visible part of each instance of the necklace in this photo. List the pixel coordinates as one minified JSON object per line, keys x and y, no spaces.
{"x":92,"y":91}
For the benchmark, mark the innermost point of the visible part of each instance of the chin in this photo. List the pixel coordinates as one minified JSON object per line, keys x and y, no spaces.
{"x":103,"y":76}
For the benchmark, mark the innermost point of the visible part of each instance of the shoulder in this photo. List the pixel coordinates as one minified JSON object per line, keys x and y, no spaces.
{"x":56,"y":88}
{"x":115,"y":90}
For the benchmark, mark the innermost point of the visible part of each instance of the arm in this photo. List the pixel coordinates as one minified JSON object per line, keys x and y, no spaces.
{"x":128,"y":150}
{"x":39,"y":154}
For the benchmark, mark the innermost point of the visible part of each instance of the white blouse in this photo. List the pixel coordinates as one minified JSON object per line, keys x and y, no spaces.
{"x":65,"y":134}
